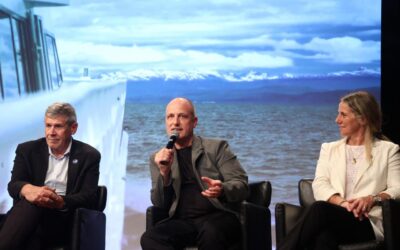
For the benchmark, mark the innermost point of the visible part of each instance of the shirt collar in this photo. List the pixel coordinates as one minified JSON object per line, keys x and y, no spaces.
{"x":66,"y":153}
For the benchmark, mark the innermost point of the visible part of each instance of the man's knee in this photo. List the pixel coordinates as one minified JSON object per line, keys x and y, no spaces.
{"x":213,"y":235}
{"x":19,"y":225}
{"x":210,"y":234}
{"x":7,"y":244}
{"x":146,"y":239}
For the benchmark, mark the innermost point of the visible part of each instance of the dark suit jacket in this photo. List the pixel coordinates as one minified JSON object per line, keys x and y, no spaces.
{"x":31,"y":163}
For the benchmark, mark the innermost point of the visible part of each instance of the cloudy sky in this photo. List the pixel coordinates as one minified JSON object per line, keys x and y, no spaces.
{"x":260,"y":38}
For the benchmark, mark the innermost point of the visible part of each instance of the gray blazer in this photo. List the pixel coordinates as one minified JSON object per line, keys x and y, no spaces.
{"x":211,"y":158}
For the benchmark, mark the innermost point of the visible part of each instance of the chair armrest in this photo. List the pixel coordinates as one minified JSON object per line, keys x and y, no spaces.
{"x":88,"y":230}
{"x":256,"y":226}
{"x":368,"y":245}
{"x":155,"y":214}
{"x":391,"y":227}
{"x":101,"y":198}
{"x":286,"y":216}
{"x":260,"y":193}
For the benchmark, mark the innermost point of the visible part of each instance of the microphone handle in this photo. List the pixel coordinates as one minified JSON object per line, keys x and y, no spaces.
{"x":170,"y":145}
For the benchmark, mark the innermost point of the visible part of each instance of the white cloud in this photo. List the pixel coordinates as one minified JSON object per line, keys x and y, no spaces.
{"x":339,"y":50}
{"x":214,"y":34}
{"x":263,"y":40}
{"x":344,"y":50}
{"x":99,"y":56}
{"x":173,"y":21}
{"x":106,"y":54}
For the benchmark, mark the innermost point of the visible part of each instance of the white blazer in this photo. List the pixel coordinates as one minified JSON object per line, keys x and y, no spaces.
{"x":381,"y":175}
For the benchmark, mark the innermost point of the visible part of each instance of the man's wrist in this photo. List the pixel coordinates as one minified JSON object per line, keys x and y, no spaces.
{"x":166,"y":179}
{"x":23,"y":189}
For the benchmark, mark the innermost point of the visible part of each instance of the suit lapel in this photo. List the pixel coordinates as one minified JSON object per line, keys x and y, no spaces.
{"x":342,"y":167}
{"x":42,"y":160}
{"x":197,"y":150}
{"x":73,"y":166}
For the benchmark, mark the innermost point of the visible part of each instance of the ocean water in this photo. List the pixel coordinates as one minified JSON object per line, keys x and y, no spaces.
{"x":278,"y":143}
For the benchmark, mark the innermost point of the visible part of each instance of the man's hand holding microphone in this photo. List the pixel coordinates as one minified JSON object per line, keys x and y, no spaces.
{"x":165,"y":157}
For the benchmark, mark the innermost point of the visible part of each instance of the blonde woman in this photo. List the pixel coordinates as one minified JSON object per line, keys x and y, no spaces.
{"x":352,"y":177}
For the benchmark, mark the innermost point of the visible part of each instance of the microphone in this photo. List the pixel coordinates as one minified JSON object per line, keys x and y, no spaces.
{"x":170,"y":143}
{"x":172,"y":139}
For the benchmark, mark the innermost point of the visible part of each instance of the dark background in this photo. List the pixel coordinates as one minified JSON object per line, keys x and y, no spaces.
{"x":390,"y":66}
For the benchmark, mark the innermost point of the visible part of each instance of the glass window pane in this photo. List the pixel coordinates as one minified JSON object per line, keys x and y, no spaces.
{"x":52,"y":61}
{"x":19,"y":55}
{"x":7,"y":60}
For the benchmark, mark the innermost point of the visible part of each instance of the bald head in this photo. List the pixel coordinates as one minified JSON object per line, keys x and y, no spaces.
{"x":183,"y":102}
{"x":180,"y":117}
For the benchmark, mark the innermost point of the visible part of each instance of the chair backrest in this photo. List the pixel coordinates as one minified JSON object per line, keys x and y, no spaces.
{"x":260,"y":193}
{"x":391,"y":227}
{"x":101,"y":198}
{"x":306,"y":194}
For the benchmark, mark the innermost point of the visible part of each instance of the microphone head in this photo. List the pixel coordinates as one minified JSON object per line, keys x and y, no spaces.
{"x":174,"y":134}
{"x":172,"y":138}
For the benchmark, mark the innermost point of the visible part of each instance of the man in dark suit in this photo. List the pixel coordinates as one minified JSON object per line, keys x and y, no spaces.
{"x":51,"y":177}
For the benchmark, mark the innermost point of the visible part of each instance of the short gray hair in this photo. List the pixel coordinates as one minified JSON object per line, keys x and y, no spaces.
{"x":63,"y":109}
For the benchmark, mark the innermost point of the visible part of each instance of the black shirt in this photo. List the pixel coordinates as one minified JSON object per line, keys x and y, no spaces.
{"x":192,"y":203}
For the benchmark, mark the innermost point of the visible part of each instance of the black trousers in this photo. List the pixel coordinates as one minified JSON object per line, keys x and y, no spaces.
{"x":326,"y":226}
{"x":219,"y":230}
{"x":28,"y":226}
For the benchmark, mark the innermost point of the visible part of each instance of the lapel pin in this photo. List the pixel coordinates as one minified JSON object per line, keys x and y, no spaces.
{"x":75,"y":161}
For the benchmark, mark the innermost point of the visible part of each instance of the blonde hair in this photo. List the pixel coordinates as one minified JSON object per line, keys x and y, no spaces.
{"x":364,"y":105}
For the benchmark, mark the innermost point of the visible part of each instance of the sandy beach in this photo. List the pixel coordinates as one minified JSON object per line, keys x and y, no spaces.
{"x":134,"y":226}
